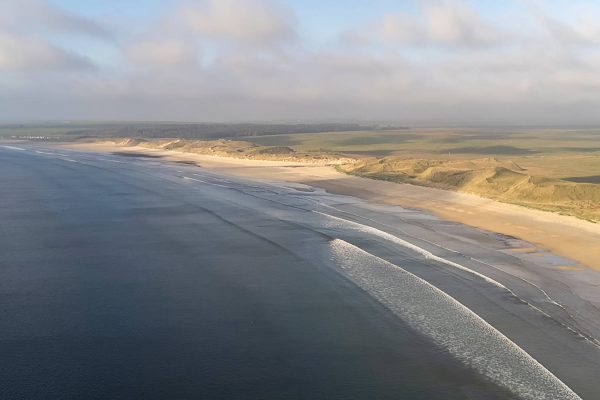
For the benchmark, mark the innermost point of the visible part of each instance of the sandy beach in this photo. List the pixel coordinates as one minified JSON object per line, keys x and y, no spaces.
{"x":565,"y":236}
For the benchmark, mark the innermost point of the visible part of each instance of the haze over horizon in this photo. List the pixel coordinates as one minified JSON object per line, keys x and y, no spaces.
{"x":423,"y":62}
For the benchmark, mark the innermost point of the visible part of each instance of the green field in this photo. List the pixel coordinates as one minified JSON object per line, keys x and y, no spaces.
{"x":553,"y":153}
{"x":161,"y":130}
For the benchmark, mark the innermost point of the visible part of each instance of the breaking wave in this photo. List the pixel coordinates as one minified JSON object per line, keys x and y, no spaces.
{"x":449,"y":324}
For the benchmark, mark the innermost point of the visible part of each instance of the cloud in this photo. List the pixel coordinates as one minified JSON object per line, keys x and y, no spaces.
{"x":438,"y":23}
{"x":26,"y":27}
{"x":62,"y":21}
{"x":585,"y":32}
{"x":26,"y":54}
{"x":452,"y":22}
{"x":38,"y":15}
{"x":240,"y":20}
{"x":448,"y":62}
{"x":162,"y":52}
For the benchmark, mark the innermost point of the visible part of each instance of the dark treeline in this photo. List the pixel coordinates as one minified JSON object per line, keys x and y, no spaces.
{"x":213,"y":131}
{"x":198,"y":130}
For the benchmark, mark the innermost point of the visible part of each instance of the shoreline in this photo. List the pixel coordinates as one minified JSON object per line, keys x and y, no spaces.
{"x":376,"y":246}
{"x":565,"y":236}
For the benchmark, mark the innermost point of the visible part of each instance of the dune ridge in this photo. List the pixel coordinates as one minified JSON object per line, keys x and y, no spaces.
{"x":232,"y":148}
{"x":500,"y":180}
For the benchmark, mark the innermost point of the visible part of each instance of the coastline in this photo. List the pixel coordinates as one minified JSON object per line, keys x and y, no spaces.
{"x":565,"y":236}
{"x":544,"y":311}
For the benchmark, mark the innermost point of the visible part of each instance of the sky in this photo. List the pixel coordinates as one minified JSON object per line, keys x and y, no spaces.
{"x":421,"y":62}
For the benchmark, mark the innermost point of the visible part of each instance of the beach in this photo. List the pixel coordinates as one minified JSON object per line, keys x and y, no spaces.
{"x":566,"y":236}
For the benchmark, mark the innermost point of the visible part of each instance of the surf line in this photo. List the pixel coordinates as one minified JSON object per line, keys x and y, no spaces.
{"x":404,"y":243}
{"x":449,"y":324}
{"x":430,"y":256}
{"x":13,"y":148}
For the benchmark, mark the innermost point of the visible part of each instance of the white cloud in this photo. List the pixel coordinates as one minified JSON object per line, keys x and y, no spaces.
{"x":452,"y":22}
{"x":39,"y":15}
{"x":19,"y":53}
{"x":241,"y":20}
{"x":438,"y":23}
{"x":61,"y":21}
{"x":162,"y":52}
{"x":246,"y":59}
{"x":584,"y":32}
{"x":25,"y":28}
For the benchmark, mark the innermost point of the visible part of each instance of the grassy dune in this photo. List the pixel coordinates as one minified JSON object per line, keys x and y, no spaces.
{"x":235,"y":149}
{"x":488,"y":177}
{"x":549,"y":169}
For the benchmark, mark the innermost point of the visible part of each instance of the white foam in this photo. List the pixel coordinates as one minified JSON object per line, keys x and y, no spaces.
{"x":13,"y":148}
{"x":450,"y":324}
{"x":203,"y":181}
{"x":389,"y":237}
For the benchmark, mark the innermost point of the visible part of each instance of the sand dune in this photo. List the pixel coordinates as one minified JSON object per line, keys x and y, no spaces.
{"x":231,"y":148}
{"x":488,"y":177}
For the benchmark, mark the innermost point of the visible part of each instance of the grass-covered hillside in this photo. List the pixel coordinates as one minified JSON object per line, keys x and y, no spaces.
{"x":488,"y":177}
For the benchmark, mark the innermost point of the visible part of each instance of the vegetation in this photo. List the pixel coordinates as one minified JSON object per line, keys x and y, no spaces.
{"x":70,"y":131}
{"x":235,"y":149}
{"x":489,"y":177}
